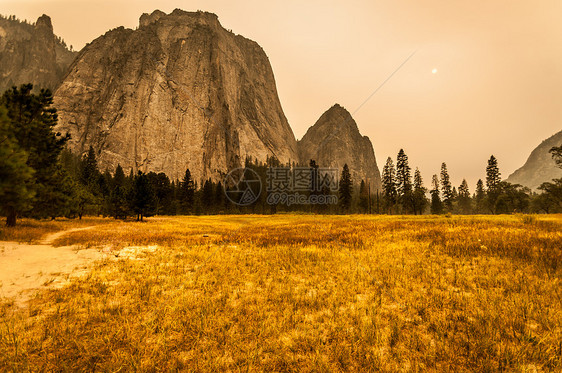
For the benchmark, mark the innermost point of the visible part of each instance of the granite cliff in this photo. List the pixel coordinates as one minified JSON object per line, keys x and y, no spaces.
{"x":540,"y":167}
{"x":335,"y":140}
{"x":180,"y":91}
{"x":31,"y":53}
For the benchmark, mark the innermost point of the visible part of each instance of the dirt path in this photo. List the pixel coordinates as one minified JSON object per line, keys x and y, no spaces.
{"x":50,"y":238}
{"x":24,"y":267}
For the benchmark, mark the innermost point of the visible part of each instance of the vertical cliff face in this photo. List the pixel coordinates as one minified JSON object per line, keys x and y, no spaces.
{"x":179,"y":92}
{"x":31,"y":54}
{"x":334,"y":140}
{"x":540,"y":167}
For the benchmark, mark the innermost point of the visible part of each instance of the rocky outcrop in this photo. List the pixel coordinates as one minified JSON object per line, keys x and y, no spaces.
{"x":334,"y":140}
{"x":178,"y":92}
{"x":540,"y":167}
{"x":31,"y":54}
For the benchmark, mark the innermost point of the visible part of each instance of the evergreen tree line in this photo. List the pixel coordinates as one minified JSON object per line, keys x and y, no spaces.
{"x":401,"y":195}
{"x":40,"y":178}
{"x":15,"y":19}
{"x":147,"y":194}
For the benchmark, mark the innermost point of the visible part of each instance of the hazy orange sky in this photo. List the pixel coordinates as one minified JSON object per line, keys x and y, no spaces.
{"x":497,"y":90}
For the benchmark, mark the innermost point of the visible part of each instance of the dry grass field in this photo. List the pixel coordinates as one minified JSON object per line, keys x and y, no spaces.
{"x":298,"y":293}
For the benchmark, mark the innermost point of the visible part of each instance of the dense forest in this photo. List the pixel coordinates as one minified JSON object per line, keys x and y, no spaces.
{"x":41,"y":178}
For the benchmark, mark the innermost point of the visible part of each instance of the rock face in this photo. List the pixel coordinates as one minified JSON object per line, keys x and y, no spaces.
{"x":540,"y":166}
{"x":31,"y":54}
{"x":335,"y":140}
{"x":178,"y":92}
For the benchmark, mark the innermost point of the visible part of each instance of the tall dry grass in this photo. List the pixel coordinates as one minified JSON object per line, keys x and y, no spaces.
{"x":304,"y":293}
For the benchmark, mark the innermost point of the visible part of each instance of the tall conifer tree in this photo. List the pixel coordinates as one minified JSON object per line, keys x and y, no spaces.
{"x":403,"y":181}
{"x":436,"y":204}
{"x":493,"y":183}
{"x":446,"y":188}
{"x":419,"y":198}
{"x":389,"y":184}
{"x":345,"y":188}
{"x":464,"y":198}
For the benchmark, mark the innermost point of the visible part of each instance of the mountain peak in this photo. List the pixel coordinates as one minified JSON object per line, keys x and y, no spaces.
{"x":337,"y":108}
{"x":184,"y":17}
{"x":146,"y":19}
{"x":335,"y":140}
{"x":44,"y":22}
{"x":31,"y":53}
{"x":335,"y":117}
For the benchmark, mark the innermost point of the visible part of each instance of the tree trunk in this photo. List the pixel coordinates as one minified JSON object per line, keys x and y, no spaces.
{"x":11,"y":218}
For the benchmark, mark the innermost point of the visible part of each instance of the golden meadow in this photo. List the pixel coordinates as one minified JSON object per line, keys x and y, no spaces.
{"x":298,"y":293}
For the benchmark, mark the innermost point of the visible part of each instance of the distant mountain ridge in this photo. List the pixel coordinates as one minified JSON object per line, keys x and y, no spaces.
{"x":335,"y":140}
{"x":32,"y":53}
{"x":540,"y":167}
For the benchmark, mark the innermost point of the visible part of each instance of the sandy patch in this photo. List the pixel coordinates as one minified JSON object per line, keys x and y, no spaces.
{"x":25,"y":268}
{"x":135,"y":252}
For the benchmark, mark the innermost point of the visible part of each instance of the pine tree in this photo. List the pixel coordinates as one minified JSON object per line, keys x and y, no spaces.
{"x":162,"y":190}
{"x":363,"y":197}
{"x":556,"y":152}
{"x":436,"y":204}
{"x":118,"y":194}
{"x":464,"y":198}
{"x":389,"y":184}
{"x":419,"y":198}
{"x":32,"y":120}
{"x":94,"y":186}
{"x":324,"y":191}
{"x":345,"y":188}
{"x":403,"y":181}
{"x":479,"y":197}
{"x":493,"y":178}
{"x":219,"y":197}
{"x":83,"y":200}
{"x":446,"y":188}
{"x":493,"y":181}
{"x":143,"y":196}
{"x":71,"y":163}
{"x":89,"y":173}
{"x":207,"y":196}
{"x":187,"y":193}
{"x":314,"y":184}
{"x":16,"y":191}
{"x":62,"y":198}
{"x":105,"y":181}
{"x":314,"y":177}
{"x":403,"y":174}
